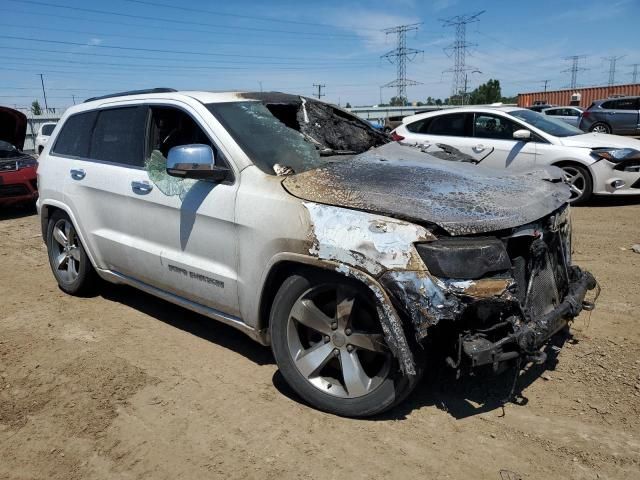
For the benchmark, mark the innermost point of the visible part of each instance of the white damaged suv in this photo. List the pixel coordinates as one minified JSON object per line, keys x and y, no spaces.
{"x":298,"y":224}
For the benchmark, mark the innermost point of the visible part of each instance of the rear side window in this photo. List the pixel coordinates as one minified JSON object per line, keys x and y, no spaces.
{"x":622,"y":104}
{"x":75,"y":137}
{"x":453,"y":124}
{"x":119,"y":136}
{"x":48,"y":129}
{"x":421,"y":126}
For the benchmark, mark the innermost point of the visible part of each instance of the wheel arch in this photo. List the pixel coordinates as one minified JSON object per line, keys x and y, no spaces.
{"x":286,"y":264}
{"x":47,"y":209}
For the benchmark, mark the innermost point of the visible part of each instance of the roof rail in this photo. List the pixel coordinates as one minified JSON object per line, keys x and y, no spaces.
{"x":132,"y":92}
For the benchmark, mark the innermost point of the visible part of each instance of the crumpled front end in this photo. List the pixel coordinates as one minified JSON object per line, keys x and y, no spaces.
{"x":501,"y":296}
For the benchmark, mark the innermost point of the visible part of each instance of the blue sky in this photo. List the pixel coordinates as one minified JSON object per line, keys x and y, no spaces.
{"x":87,"y":48}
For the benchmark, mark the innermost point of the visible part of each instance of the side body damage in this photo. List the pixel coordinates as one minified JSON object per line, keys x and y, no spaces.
{"x":502,"y":295}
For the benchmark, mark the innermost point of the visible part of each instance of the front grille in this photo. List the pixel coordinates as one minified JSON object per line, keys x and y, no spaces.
{"x":13,"y":190}
{"x":8,"y":166}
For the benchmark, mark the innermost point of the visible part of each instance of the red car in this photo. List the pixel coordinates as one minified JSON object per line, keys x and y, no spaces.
{"x":18,"y":182}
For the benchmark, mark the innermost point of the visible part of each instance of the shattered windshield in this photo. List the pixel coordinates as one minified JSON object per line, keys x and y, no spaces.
{"x":552,"y":126}
{"x":269,"y":143}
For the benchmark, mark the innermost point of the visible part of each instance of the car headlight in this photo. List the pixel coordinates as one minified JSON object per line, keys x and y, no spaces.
{"x":26,"y":162}
{"x":464,"y":258}
{"x":616,"y":155}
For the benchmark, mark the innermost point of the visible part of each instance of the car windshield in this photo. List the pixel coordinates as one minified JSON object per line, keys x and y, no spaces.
{"x":48,"y":129}
{"x":268,"y":142}
{"x":549,"y":125}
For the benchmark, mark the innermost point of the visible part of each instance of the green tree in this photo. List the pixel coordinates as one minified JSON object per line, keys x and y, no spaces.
{"x":348,"y":105}
{"x":35,"y":108}
{"x":398,"y":101}
{"x":486,"y":93}
{"x":430,"y":101}
{"x":438,"y":102}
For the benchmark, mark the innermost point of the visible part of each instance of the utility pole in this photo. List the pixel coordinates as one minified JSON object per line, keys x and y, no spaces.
{"x":612,"y":67}
{"x":320,"y":87}
{"x":634,"y":74}
{"x":546,"y":82}
{"x":44,"y":93}
{"x":74,"y":98}
{"x":458,"y":49}
{"x":260,"y":83}
{"x":574,"y":69}
{"x":399,"y":56}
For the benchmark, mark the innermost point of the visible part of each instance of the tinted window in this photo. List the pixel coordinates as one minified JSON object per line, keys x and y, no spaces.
{"x":48,"y":129}
{"x":622,"y":104}
{"x":420,"y":126}
{"x":452,"y":124}
{"x":493,"y":126}
{"x":75,"y":137}
{"x":119,"y":135}
{"x":554,"y":111}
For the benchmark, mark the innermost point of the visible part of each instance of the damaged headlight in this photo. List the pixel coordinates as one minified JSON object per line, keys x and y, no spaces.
{"x":616,"y":155}
{"x":464,"y":257}
{"x":26,"y":162}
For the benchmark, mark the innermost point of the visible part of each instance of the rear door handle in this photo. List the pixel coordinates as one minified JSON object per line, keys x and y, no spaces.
{"x":479,"y":148}
{"x":77,"y":173}
{"x":141,"y":187}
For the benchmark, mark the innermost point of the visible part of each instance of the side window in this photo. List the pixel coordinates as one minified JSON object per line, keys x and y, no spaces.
{"x":75,"y":137}
{"x":627,"y":104}
{"x":452,"y":124}
{"x":553,"y":112}
{"x":493,"y":126}
{"x":171,"y":127}
{"x":610,"y":105}
{"x":119,"y":135}
{"x":420,"y":126}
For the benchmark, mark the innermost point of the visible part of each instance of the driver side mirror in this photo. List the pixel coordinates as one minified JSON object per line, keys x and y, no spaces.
{"x":195,"y":161}
{"x":522,"y":134}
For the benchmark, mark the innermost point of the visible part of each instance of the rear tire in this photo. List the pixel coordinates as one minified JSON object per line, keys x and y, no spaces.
{"x":328,"y":344}
{"x":600,"y":127}
{"x":68,"y":259}
{"x":580,"y":182}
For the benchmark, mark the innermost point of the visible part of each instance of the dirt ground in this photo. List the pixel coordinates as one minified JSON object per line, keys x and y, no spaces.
{"x":123,"y":385}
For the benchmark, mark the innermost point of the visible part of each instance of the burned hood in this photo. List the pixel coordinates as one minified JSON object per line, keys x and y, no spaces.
{"x":403,"y":182}
{"x":13,"y":127}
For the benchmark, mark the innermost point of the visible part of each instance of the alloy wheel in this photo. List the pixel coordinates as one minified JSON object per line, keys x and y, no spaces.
{"x":335,"y":341}
{"x":66,"y":253}
{"x":600,"y":128}
{"x":576,"y":181}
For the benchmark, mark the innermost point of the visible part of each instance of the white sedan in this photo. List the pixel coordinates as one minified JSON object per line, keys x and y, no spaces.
{"x":517,"y":138}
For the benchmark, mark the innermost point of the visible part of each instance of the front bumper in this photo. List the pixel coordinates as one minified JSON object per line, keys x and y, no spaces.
{"x":609,"y":180}
{"x":527,"y":337}
{"x":18,"y":186}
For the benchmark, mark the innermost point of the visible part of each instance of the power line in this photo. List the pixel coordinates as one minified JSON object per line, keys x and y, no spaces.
{"x":574,"y":69}
{"x":612,"y":67}
{"x":154,"y":50}
{"x":320,"y":87}
{"x":458,"y":49}
{"x":235,"y":15}
{"x":400,"y":55}
{"x":173,"y":21}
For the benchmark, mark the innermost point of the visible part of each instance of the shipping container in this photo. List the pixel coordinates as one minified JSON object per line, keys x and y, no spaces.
{"x":580,"y":97}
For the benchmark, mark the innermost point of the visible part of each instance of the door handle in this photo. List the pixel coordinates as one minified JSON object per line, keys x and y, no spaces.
{"x":77,"y":173}
{"x":141,"y":187}
{"x":479,"y":148}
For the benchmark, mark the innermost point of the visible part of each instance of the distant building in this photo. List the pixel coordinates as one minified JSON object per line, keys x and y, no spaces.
{"x":580,"y":97}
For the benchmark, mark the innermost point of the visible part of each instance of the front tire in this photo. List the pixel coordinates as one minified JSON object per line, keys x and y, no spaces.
{"x":580,"y":182}
{"x":67,"y":257}
{"x":328,"y":343}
